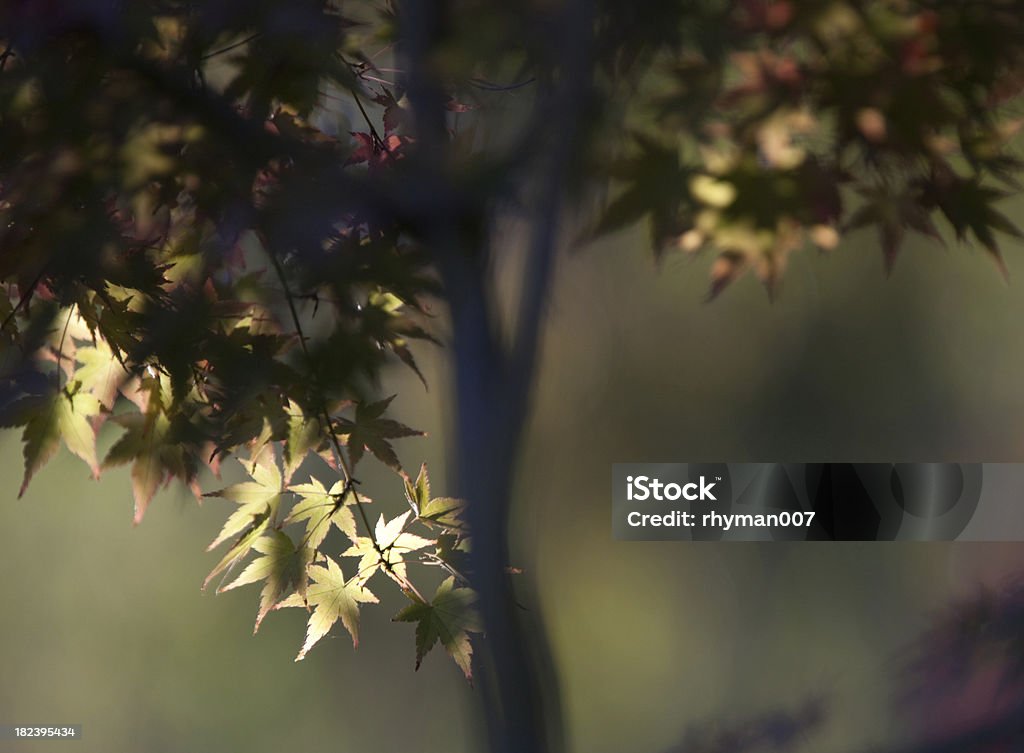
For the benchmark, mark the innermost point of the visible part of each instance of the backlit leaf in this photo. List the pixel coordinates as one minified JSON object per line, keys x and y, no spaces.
{"x":283,"y":567}
{"x":394,"y":544}
{"x":65,"y":416}
{"x":320,"y":507}
{"x":369,"y":431}
{"x":449,"y":618}
{"x":258,"y":501}
{"x":444,"y":511}
{"x":100,"y":373}
{"x":332,"y":598}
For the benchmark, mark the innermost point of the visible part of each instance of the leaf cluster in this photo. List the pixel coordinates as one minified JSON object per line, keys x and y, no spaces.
{"x":215,"y":221}
{"x":295,"y":569}
{"x":773,"y":125}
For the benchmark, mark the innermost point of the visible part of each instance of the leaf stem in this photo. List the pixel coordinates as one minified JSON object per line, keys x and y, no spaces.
{"x":23,"y":300}
{"x":233,"y":46}
{"x":429,"y":558}
{"x":60,"y":346}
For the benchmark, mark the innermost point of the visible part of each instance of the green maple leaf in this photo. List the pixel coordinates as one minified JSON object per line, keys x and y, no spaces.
{"x":369,"y":431}
{"x":394,"y":543}
{"x":100,"y":373}
{"x":383,"y":320}
{"x":417,"y":493}
{"x":968,"y":207}
{"x":449,"y":618}
{"x":653,"y":183}
{"x":304,"y":434}
{"x":444,"y":511}
{"x":320,"y":507}
{"x":148,"y":444}
{"x":62,"y":416}
{"x":893,"y":214}
{"x":282,"y":566}
{"x":142,"y":445}
{"x":332,"y":598}
{"x":258,"y":501}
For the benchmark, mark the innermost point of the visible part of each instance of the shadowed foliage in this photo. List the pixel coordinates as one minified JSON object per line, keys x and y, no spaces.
{"x":220,"y":222}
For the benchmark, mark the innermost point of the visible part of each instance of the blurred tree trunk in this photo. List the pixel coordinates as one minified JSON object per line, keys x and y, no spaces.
{"x":521,"y":711}
{"x":494,"y":370}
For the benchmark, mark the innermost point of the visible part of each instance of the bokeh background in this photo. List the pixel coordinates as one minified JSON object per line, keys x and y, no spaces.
{"x":104,"y":625}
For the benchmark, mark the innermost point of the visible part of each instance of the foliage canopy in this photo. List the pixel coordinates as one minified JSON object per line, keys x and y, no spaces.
{"x":218,"y":220}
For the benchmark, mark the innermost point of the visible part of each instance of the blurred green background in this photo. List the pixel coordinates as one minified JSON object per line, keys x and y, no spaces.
{"x":104,"y":624}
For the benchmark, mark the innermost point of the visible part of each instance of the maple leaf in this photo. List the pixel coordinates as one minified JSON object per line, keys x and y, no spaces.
{"x":371,"y":432}
{"x":894,"y":214}
{"x":384,"y":319}
{"x":393,"y":542}
{"x":448,"y":618}
{"x":304,"y":434}
{"x":282,"y":566}
{"x":141,"y":445}
{"x":320,"y":507}
{"x":395,"y":111}
{"x":332,"y":598}
{"x":417,"y":493}
{"x":967,"y":206}
{"x":100,"y":373}
{"x":148,"y":444}
{"x":653,"y":185}
{"x":258,"y":501}
{"x":444,"y":511}
{"x":48,"y":420}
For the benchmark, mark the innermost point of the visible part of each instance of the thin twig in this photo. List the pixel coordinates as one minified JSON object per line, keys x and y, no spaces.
{"x":60,"y":346}
{"x":429,"y":558}
{"x":369,"y":123}
{"x":377,"y":79}
{"x":234,"y":46}
{"x":23,"y":301}
{"x":480,"y":83}
{"x":382,"y":50}
{"x":359,"y":103}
